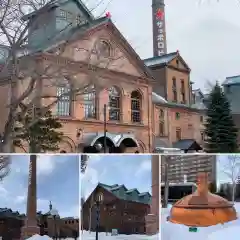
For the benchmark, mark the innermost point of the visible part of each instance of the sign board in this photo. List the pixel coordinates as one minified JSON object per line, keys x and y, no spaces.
{"x":160,"y":32}
{"x":114,"y":232}
{"x":193,"y":229}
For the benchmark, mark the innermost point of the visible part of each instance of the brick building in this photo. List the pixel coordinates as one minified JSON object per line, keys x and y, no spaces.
{"x":122,"y":209}
{"x":11,"y":223}
{"x":138,"y":119}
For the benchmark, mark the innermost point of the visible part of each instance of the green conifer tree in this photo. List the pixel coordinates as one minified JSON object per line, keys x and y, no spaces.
{"x":221,"y":133}
{"x":42,"y":136}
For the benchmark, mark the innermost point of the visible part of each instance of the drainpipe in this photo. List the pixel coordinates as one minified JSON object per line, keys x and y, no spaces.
{"x":149,"y":114}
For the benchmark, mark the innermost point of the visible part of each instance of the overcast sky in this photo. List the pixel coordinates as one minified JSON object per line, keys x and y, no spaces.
{"x":206,"y":32}
{"x":57,"y":180}
{"x":134,"y":171}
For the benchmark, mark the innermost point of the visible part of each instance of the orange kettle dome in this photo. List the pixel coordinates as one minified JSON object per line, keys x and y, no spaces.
{"x":202,"y":208}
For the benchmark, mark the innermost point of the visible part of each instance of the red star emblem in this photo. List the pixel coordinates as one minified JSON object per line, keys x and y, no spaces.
{"x":160,"y":14}
{"x":108,"y":15}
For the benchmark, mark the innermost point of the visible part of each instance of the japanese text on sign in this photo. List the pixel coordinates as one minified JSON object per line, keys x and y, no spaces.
{"x":30,"y":173}
{"x":160,"y":33}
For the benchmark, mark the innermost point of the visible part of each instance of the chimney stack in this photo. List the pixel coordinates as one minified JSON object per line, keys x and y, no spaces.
{"x":159,"y":28}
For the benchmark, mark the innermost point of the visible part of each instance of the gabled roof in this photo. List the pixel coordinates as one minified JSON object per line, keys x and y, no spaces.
{"x":164,"y":60}
{"x":77,"y":32}
{"x":198,"y":91}
{"x":160,"y":60}
{"x":187,"y":144}
{"x":56,"y":3}
{"x":231,"y":80}
{"x":114,"y":189}
{"x":7,"y":212}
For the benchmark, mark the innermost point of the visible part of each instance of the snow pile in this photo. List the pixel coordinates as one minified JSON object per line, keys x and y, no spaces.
{"x":38,"y":237}
{"x":102,"y":236}
{"x":171,"y":231}
{"x":45,"y":237}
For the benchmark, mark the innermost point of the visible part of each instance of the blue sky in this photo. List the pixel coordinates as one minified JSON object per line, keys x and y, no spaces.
{"x":57,"y":180}
{"x":134,"y":171}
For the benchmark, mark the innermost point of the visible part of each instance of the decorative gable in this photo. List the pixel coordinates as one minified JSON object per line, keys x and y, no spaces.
{"x":117,"y":56}
{"x":179,"y":63}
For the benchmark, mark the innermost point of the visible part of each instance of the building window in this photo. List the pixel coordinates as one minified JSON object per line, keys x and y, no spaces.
{"x":182,"y":86}
{"x":90,"y":104}
{"x":80,"y":20}
{"x":114,"y":103}
{"x":177,"y":115}
{"x":201,"y":119}
{"x":178,"y":134}
{"x":174,"y":89}
{"x":70,"y":17}
{"x":161,"y":114}
{"x":194,"y":98}
{"x":103,"y":49}
{"x":177,"y":62}
{"x":202,"y":136}
{"x":161,"y":123}
{"x":183,"y":92}
{"x":63,"y":13}
{"x":161,"y":128}
{"x":63,"y":104}
{"x":136,"y":107}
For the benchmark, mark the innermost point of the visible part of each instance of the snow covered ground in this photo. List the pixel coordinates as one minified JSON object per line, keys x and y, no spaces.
{"x":102,"y":236}
{"x":171,"y":231}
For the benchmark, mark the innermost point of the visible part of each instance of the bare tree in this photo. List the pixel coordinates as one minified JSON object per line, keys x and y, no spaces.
{"x":84,"y":160}
{"x":4,"y":166}
{"x":231,"y":168}
{"x":36,"y":68}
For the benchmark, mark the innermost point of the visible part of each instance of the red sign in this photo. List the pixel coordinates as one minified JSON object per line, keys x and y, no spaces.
{"x":160,"y":14}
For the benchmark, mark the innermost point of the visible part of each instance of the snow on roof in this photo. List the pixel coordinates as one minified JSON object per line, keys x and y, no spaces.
{"x":157,"y":98}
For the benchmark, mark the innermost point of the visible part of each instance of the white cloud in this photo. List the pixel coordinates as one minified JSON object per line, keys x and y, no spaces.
{"x":95,"y":158}
{"x":45,"y":164}
{"x":89,"y":180}
{"x":20,"y":199}
{"x":145,"y":166}
{"x":43,"y":205}
{"x":3,"y":191}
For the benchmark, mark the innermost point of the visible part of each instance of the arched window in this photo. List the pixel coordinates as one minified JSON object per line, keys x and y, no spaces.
{"x":161,"y":123}
{"x":114,"y":103}
{"x":136,"y":107}
{"x":64,"y":102}
{"x":103,"y":49}
{"x":89,"y":99}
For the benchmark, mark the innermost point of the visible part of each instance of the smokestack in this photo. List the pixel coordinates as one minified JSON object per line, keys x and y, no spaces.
{"x":159,"y":28}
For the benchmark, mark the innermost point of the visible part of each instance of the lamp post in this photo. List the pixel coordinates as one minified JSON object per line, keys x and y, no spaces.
{"x":54,"y":214}
{"x":98,"y":201}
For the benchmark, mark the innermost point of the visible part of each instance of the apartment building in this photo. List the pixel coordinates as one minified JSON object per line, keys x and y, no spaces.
{"x":184,"y":168}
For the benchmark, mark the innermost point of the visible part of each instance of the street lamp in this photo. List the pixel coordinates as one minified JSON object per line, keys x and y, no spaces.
{"x":54,"y":213}
{"x":98,"y":201}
